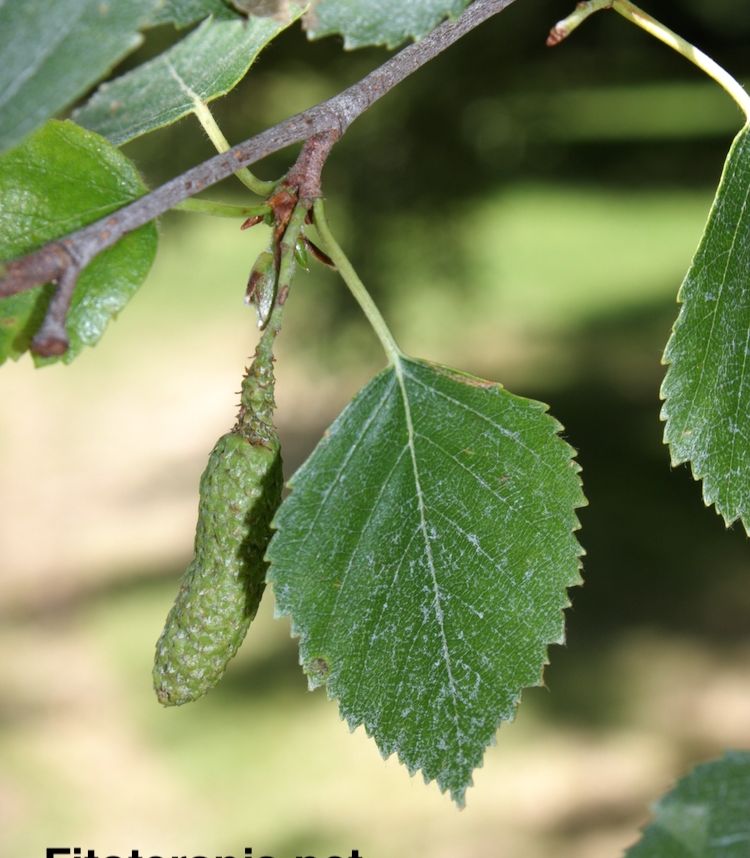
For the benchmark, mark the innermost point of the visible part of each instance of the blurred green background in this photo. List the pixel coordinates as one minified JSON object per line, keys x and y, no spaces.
{"x":521,"y":213}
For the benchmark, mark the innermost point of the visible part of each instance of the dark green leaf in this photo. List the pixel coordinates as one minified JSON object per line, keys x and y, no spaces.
{"x":60,"y":179}
{"x":389,"y":23}
{"x":707,"y":387}
{"x":707,"y":815}
{"x":424,"y":556}
{"x":53,"y":52}
{"x":206,"y":64}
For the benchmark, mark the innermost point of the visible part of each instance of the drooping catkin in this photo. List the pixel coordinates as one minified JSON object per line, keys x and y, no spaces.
{"x":221,"y":589}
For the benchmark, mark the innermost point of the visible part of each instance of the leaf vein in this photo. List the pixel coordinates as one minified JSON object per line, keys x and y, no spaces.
{"x":355,"y":548}
{"x":345,"y":462}
{"x":714,"y":315}
{"x":439,"y":616}
{"x":513,"y":436}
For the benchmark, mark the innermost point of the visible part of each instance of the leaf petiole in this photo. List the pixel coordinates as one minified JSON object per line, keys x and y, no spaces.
{"x":642,"y":19}
{"x":356,"y":286}
{"x":210,"y":207}
{"x":215,"y":135}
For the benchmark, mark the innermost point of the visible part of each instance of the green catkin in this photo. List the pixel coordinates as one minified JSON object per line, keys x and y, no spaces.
{"x":221,"y":589}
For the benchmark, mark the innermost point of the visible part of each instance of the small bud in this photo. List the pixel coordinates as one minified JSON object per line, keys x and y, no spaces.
{"x":261,"y":286}
{"x":319,"y":254}
{"x":300,"y":254}
{"x":251,"y":221}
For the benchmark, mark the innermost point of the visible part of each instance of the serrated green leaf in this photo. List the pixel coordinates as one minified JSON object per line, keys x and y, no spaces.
{"x":61,"y":178}
{"x":707,"y":815}
{"x":206,"y":64}
{"x":389,"y":23}
{"x":707,"y":386}
{"x":53,"y":52}
{"x":184,"y":12}
{"x":424,"y":556}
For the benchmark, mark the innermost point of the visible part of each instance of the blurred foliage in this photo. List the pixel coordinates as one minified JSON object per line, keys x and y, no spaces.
{"x":611,"y":107}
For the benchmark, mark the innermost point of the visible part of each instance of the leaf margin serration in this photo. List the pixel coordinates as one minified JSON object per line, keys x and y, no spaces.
{"x":573,"y":578}
{"x":700,"y":472}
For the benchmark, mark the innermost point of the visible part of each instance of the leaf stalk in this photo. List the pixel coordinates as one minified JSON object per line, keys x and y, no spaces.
{"x":355,"y":285}
{"x":211,"y":207}
{"x":221,"y":144}
{"x":655,"y":28}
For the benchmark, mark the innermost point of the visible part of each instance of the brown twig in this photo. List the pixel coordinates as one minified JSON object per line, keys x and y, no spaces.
{"x":52,"y":338}
{"x":306,"y":173}
{"x":326,"y":122}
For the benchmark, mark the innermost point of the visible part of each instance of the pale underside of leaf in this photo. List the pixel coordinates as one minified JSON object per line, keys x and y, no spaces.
{"x":707,"y":386}
{"x":424,"y":556}
{"x":52,"y":52}
{"x":389,"y":23}
{"x":61,"y":178}
{"x":206,"y":64}
{"x":706,"y":814}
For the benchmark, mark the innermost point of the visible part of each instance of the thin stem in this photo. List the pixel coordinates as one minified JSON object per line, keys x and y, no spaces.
{"x":255,"y":416}
{"x":355,"y":285}
{"x":287,"y":261}
{"x":697,"y":57}
{"x":221,"y":144}
{"x":209,"y":207}
{"x":642,"y":19}
{"x":564,"y":28}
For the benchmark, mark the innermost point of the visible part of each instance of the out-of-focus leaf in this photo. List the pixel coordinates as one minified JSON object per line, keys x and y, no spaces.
{"x":61,"y":178}
{"x":52,"y":52}
{"x":424,"y":556}
{"x":206,"y":64}
{"x":389,"y":23}
{"x":707,"y":387}
{"x":707,"y":815}
{"x":184,"y":12}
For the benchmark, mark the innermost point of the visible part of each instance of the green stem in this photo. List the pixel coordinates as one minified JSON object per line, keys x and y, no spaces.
{"x":209,"y":207}
{"x":565,"y":27}
{"x":642,"y":19}
{"x":287,"y":260}
{"x":215,"y":135}
{"x":255,"y":418}
{"x":355,"y":285}
{"x":257,"y":403}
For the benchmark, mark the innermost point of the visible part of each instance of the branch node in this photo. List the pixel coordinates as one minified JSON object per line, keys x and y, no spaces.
{"x":45,"y":265}
{"x":306,"y":172}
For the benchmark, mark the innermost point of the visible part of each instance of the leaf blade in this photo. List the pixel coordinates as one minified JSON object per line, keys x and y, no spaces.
{"x":61,"y":178}
{"x":52,"y":53}
{"x":206,"y":64}
{"x":182,"y":13}
{"x":707,"y":813}
{"x":398,"y":621}
{"x":388,"y":23}
{"x":706,"y":389}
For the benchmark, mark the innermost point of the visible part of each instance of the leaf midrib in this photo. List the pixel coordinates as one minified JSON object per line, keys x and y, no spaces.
{"x":439,"y":615}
